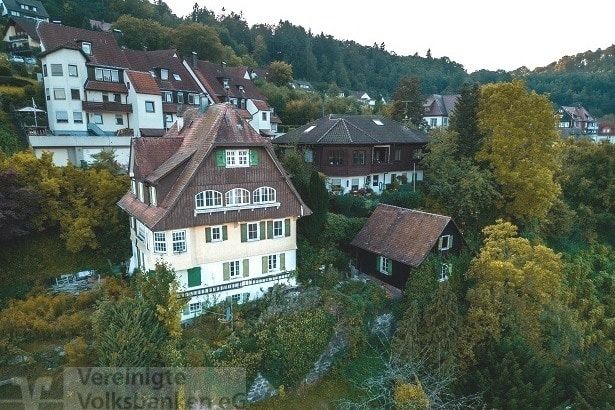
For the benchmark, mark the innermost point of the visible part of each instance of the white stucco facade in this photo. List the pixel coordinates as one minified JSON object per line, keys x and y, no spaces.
{"x":375,"y":182}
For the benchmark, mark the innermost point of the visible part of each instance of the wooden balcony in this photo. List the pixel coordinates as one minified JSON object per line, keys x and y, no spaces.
{"x":105,"y":106}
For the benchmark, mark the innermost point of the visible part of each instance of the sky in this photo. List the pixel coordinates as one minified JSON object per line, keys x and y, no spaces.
{"x":504,"y":34}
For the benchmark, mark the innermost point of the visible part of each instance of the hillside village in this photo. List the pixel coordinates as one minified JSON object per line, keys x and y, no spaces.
{"x":195,"y":204}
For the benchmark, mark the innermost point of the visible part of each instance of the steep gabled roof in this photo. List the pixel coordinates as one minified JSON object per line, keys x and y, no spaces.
{"x":105,"y":50}
{"x":352,"y":129}
{"x":151,"y":60}
{"x":143,"y":82}
{"x":212,"y":76}
{"x":440,"y":105}
{"x":13,"y":5}
{"x":578,"y":113}
{"x":401,"y":234}
{"x":27,"y":25}
{"x":184,"y":150}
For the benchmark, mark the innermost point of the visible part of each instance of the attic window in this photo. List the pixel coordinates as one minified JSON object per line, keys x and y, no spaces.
{"x":377,"y":122}
{"x":153,"y":73}
{"x":225,"y":82}
{"x":86,"y":47}
{"x":177,"y":77}
{"x":164,"y":74}
{"x":308,"y":129}
{"x":241,"y":88}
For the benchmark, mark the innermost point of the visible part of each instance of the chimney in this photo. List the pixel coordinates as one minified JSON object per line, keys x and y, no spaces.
{"x":203,"y":103}
{"x":118,"y":35}
{"x":194,"y":59}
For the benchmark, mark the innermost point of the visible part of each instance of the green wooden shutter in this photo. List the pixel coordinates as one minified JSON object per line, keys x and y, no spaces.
{"x":282,"y":262}
{"x":254,"y":157}
{"x":194,"y":277}
{"x":224,"y":233}
{"x":269,"y":229}
{"x":207,"y":234}
{"x":287,"y":227}
{"x":220,"y":158}
{"x":265,"y":264}
{"x":390,"y":267}
{"x":244,"y":232}
{"x":378,"y":263}
{"x":263,"y":230}
{"x":226,"y":271}
{"x":246,"y":297}
{"x":246,"y":268}
{"x":229,"y":300}
{"x":186,"y":310}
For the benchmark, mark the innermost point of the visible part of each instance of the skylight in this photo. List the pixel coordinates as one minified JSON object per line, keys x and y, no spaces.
{"x":308,"y":129}
{"x":177,"y":77}
{"x":378,"y":122}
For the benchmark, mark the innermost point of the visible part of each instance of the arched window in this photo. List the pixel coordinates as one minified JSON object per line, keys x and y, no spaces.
{"x":208,"y":199}
{"x":237,"y":197}
{"x":263,"y":195}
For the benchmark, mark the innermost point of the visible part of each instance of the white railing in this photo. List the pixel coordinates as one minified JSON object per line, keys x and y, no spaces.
{"x":225,"y":209}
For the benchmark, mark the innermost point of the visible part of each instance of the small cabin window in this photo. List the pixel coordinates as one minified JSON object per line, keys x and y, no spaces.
{"x":445,"y":243}
{"x":86,"y":47}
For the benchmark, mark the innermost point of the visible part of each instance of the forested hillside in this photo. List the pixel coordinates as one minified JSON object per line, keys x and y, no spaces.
{"x":587,"y":78}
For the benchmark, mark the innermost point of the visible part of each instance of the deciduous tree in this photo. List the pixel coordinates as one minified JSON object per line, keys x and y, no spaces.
{"x":280,"y":73}
{"x":520,"y":147}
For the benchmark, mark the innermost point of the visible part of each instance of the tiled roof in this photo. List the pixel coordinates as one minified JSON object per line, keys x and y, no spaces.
{"x":27,"y":25}
{"x":105,"y":50}
{"x":352,"y":129}
{"x":143,"y":82}
{"x":152,"y":132}
{"x":212,"y":76}
{"x":151,"y":152}
{"x":106,"y":86}
{"x":440,"y":105}
{"x":15,"y":6}
{"x":150,"y":60}
{"x":606,"y":128}
{"x":578,"y":113}
{"x":401,"y":234}
{"x":261,"y":105}
{"x":275,"y":119}
{"x":221,"y":124}
{"x":245,"y":114}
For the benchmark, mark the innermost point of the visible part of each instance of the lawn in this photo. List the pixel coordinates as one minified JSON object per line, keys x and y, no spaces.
{"x":36,"y":258}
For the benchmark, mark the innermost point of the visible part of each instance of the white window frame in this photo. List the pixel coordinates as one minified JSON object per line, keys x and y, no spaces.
{"x":150,"y":103}
{"x":62,"y":117}
{"x":97,"y":118}
{"x":164,"y":74}
{"x":446,"y":269}
{"x":76,"y":73}
{"x":195,"y":307}
{"x":258,"y":231}
{"x":236,"y":298}
{"x":167,"y":96}
{"x":216,"y":230}
{"x":273,"y":263}
{"x":208,"y":199}
{"x":237,"y":158}
{"x":86,"y":47}
{"x":282,"y":228}
{"x":77,"y":114}
{"x":237,"y":197}
{"x":160,"y":242}
{"x":133,"y":186}
{"x":449,"y":242}
{"x":141,"y":231}
{"x":119,"y":119}
{"x":179,"y":241}
{"x":234,"y":269}
{"x":180,"y":97}
{"x":59,"y":94}
{"x":59,"y":73}
{"x":433,"y":122}
{"x":140,"y":191}
{"x":259,"y":194}
{"x":152,"y":196}
{"x":176,"y":77}
{"x":384,"y":264}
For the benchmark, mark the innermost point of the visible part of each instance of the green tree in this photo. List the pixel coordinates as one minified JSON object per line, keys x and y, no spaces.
{"x":318,"y":201}
{"x":464,"y":121}
{"x":520,"y":148}
{"x":201,"y":39}
{"x":455,"y":184}
{"x":139,"y":33}
{"x":260,"y":52}
{"x":408,"y":101}
{"x":280,"y":73}
{"x":18,"y":207}
{"x":514,"y":280}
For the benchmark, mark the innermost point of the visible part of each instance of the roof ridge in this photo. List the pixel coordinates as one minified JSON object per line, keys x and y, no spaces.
{"x":414,"y":210}
{"x":345,"y":123}
{"x":337,"y":120}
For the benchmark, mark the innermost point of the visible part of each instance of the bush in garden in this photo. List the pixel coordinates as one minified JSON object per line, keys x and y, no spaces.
{"x":77,"y":353}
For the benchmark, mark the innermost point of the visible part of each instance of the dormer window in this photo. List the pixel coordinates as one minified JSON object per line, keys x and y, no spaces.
{"x":241,"y":88}
{"x":153,"y":73}
{"x":86,"y":47}
{"x":225,"y":82}
{"x":164,"y":74}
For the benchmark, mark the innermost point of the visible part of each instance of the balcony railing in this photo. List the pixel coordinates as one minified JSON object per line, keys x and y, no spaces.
{"x":33,"y":130}
{"x":105,"y":106}
{"x":235,"y":285}
{"x":18,"y":37}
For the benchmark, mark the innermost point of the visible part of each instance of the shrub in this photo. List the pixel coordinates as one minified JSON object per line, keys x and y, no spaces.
{"x":352,"y":206}
{"x":14,"y":81}
{"x":77,"y":352}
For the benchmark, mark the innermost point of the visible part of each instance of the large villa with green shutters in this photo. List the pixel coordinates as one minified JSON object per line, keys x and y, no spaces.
{"x":211,"y":199}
